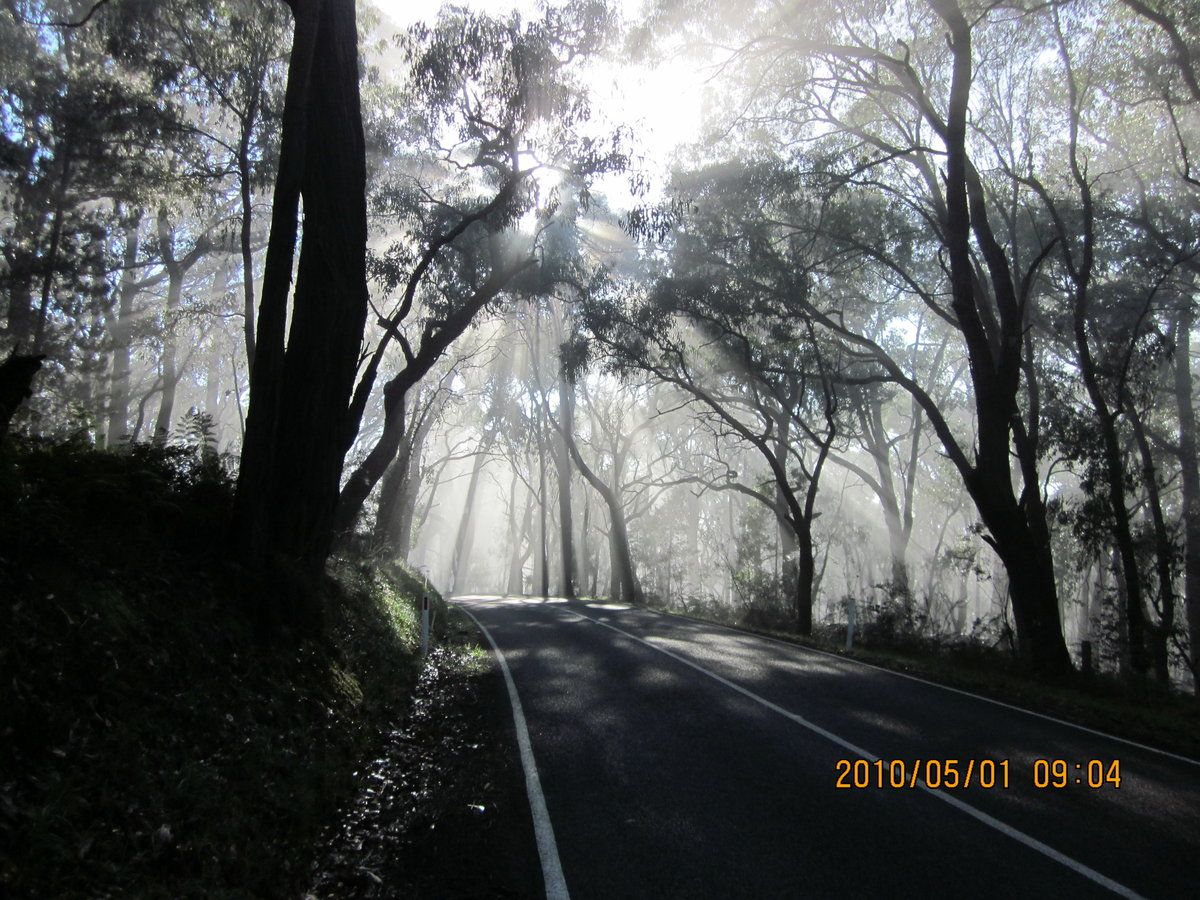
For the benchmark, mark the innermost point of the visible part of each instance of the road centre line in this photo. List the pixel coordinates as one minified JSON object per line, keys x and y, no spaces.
{"x":980,"y":816}
{"x":945,"y":687}
{"x":543,"y":830}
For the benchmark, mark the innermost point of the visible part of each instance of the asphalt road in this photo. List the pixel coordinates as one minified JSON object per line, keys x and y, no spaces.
{"x":681,"y":759}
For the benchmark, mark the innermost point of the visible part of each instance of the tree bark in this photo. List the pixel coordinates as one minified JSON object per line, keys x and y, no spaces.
{"x":244,"y":175}
{"x":465,"y":537}
{"x":294,"y":447}
{"x":1158,"y":636}
{"x":1189,"y":478}
{"x":543,"y":562}
{"x":520,"y":549}
{"x":564,"y":470}
{"x":170,"y":378}
{"x":1018,"y":530}
{"x":363,"y":480}
{"x":623,"y":586}
{"x":121,"y":335}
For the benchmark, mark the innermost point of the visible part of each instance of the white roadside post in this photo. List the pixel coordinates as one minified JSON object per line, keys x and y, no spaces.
{"x":425,"y":618}
{"x":851,"y":617}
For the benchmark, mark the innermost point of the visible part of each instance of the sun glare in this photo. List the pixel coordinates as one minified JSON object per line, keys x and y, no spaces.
{"x":660,"y":103}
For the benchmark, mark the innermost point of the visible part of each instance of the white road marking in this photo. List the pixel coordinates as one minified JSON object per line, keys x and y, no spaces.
{"x":552,"y":874}
{"x":992,"y":822}
{"x":944,"y":687}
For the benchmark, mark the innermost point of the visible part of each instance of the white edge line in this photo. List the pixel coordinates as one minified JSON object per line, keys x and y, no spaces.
{"x":552,"y":874}
{"x":1019,"y":836}
{"x":945,"y":687}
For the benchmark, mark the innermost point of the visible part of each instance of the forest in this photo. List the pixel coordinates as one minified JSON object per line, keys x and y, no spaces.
{"x":810,"y":316}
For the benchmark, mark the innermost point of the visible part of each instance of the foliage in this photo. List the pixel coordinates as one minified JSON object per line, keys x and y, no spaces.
{"x":152,"y":745}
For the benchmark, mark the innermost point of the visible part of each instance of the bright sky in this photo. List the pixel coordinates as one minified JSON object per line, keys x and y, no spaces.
{"x":662,"y":103}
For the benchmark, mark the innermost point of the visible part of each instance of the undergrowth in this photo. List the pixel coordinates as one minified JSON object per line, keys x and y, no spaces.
{"x":150,"y":744}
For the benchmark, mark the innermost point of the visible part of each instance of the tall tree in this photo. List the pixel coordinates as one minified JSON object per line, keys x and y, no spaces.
{"x":300,"y":389}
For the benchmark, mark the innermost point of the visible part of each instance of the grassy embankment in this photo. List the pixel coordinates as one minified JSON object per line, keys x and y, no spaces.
{"x":1135,"y":709}
{"x":150,"y":744}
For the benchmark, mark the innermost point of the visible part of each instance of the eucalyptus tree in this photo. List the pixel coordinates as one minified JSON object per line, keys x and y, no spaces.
{"x":300,"y":388}
{"x":402,"y":483}
{"x":613,"y":448}
{"x":494,"y":103}
{"x":226,"y":62}
{"x":78,"y":130}
{"x":882,"y":115}
{"x":725,"y":325}
{"x":1149,"y":83}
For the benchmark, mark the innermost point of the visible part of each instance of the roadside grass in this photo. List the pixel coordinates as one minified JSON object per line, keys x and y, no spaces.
{"x":150,"y":744}
{"x":1134,"y":709}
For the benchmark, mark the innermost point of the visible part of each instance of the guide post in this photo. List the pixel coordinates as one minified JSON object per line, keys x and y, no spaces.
{"x":425,"y":618}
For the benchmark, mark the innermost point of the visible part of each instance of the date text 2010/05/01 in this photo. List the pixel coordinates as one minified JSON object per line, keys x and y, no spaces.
{"x":983,"y":773}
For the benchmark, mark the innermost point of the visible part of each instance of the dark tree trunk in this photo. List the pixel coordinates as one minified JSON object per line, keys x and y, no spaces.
{"x":295,"y":431}
{"x":405,"y":517}
{"x":806,"y":571}
{"x":1018,"y":530}
{"x":170,"y":378}
{"x":363,"y":480}
{"x":1190,"y":480}
{"x":398,"y":494}
{"x":564,"y":470}
{"x":1158,"y":636}
{"x":16,"y":379}
{"x":1114,"y":470}
{"x":50,"y":263}
{"x":623,"y":585}
{"x":543,"y":562}
{"x":391,"y":492}
{"x":121,"y":335}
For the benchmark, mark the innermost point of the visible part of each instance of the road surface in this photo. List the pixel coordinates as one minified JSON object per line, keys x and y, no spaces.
{"x":673,"y":758}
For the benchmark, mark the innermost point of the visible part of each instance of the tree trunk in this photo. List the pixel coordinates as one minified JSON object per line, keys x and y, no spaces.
{"x":623,"y":584}
{"x":1019,"y":531}
{"x":516,"y":564}
{"x":1190,"y":480}
{"x":244,"y":175}
{"x":16,"y":379}
{"x":170,"y":378}
{"x":391,"y":491}
{"x":464,"y":539}
{"x":1158,"y":637}
{"x":51,"y":260}
{"x":406,"y":513}
{"x":806,"y":570}
{"x":363,"y":480}
{"x":295,"y":431}
{"x":1114,"y":470}
{"x":893,"y":519}
{"x":121,"y":334}
{"x":624,"y":576}
{"x":397,"y":501}
{"x":513,"y":544}
{"x":564,"y":470}
{"x":543,"y":563}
